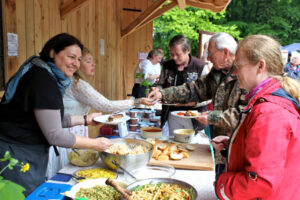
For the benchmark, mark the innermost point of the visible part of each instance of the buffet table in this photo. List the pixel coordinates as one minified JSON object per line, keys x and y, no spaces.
{"x":200,"y":179}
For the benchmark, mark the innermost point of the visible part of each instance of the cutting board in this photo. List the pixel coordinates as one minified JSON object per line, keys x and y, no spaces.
{"x":200,"y":159}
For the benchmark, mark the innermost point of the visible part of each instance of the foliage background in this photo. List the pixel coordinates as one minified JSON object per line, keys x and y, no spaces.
{"x":277,"y":18}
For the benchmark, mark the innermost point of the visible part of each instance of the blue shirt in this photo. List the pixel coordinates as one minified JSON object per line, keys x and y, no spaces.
{"x":292,"y":71}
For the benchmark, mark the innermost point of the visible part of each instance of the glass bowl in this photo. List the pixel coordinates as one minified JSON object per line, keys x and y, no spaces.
{"x":151,"y":171}
{"x":86,"y":157}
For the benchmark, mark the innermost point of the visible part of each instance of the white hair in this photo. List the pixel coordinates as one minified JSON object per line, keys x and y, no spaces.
{"x":224,"y":40}
{"x":295,"y":55}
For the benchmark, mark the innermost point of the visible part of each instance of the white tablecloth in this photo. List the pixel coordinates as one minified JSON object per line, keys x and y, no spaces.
{"x":201,"y":180}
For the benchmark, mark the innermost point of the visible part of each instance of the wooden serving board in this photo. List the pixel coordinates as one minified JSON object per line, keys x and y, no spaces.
{"x":200,"y":159}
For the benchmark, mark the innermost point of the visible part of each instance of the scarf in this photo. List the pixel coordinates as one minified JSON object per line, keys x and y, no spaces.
{"x":62,"y":81}
{"x":254,"y":91}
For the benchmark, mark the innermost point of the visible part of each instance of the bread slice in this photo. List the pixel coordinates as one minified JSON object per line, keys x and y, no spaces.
{"x":176,"y":156}
{"x":190,"y":147}
{"x":111,"y":118}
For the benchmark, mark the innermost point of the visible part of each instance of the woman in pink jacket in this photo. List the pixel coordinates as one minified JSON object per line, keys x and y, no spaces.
{"x":264,"y":151}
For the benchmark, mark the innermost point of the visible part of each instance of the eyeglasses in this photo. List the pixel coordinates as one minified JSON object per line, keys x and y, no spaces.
{"x":239,"y":66}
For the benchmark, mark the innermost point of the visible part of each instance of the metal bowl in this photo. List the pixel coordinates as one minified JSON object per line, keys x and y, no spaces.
{"x":128,"y":161}
{"x":164,"y":180}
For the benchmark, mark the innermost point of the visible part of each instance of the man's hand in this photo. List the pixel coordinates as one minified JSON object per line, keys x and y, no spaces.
{"x":220,"y":142}
{"x":155,"y":95}
{"x":203,"y":118}
{"x":154,"y":89}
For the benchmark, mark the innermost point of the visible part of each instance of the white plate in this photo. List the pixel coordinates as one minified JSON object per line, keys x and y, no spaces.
{"x":170,"y":104}
{"x":88,"y":184}
{"x":104,"y":119}
{"x":184,"y":111}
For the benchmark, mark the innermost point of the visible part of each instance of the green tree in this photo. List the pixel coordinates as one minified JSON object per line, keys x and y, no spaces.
{"x":188,"y":22}
{"x":277,"y":18}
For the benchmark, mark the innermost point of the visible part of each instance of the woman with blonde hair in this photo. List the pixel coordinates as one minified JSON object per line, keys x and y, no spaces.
{"x":79,"y":98}
{"x":263,"y":152}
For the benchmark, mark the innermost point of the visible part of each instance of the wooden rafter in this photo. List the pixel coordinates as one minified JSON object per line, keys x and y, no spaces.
{"x":181,"y":4}
{"x":205,"y":5}
{"x":70,"y":5}
{"x":157,"y":9}
{"x":159,"y":13}
{"x":142,"y":18}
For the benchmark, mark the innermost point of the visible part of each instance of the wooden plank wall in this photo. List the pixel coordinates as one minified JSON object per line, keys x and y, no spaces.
{"x":138,"y":41}
{"x":35,"y":21}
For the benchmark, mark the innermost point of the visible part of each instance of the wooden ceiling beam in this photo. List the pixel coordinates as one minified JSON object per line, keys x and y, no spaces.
{"x":205,"y":5}
{"x":70,"y":5}
{"x":159,"y":13}
{"x":181,"y":4}
{"x":142,"y":18}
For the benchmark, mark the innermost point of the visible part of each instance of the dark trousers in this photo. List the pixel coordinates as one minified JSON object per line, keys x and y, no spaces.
{"x":219,"y":169}
{"x":138,"y":91}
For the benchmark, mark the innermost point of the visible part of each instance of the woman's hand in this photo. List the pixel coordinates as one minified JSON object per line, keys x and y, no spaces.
{"x":90,"y":119}
{"x":147,"y":101}
{"x":220,"y":142}
{"x":102,"y":144}
{"x":98,"y":144}
{"x":203,"y":118}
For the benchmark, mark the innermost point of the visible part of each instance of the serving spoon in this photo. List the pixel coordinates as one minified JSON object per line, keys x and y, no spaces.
{"x":125,"y":193}
{"x":75,"y":151}
{"x":123,"y":169}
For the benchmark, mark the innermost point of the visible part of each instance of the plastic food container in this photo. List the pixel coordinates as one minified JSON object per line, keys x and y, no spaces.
{"x":147,"y":114}
{"x":132,"y":113}
{"x":133,"y":127}
{"x":133,"y":120}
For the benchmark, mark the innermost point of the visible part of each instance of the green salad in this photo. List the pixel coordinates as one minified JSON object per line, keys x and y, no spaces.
{"x":99,"y":192}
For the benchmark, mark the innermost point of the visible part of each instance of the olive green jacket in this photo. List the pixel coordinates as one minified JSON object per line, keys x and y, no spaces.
{"x":228,"y":99}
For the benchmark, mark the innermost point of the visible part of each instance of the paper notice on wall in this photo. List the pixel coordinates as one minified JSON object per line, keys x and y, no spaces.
{"x":102,"y":47}
{"x":142,"y":55}
{"x":12,"y":44}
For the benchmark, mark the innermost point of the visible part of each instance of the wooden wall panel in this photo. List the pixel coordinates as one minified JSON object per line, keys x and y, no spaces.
{"x":29,"y":16}
{"x":138,"y":41}
{"x":36,"y":21}
{"x":37,"y":26}
{"x":21,"y":24}
{"x":54,"y":18}
{"x":10,"y":26}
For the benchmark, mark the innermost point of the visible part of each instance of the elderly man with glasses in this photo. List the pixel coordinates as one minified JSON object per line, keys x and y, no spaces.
{"x":220,"y":85}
